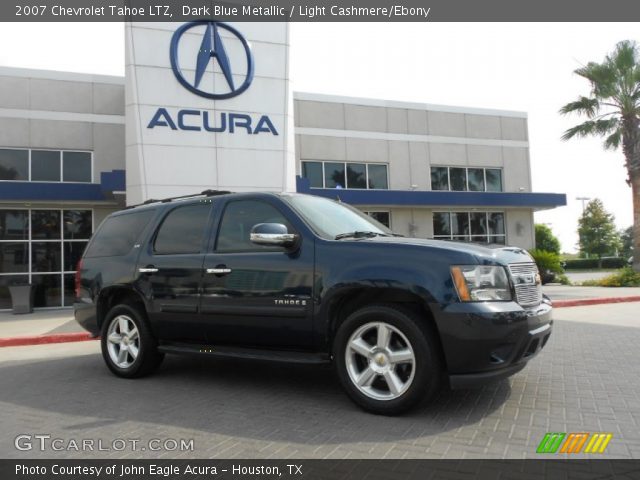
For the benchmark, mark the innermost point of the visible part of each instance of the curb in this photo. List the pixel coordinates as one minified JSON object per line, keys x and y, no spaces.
{"x":594,"y":301}
{"x":45,"y":339}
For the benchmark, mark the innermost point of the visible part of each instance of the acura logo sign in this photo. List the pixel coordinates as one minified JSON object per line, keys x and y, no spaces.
{"x":212,"y":52}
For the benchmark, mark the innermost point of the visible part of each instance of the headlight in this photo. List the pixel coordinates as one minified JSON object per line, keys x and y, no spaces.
{"x":476,"y":283}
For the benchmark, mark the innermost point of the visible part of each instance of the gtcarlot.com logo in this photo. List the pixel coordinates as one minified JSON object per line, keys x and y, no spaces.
{"x":574,"y":442}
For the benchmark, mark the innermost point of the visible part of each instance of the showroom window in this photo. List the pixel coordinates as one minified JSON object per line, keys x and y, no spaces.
{"x":481,"y":227}
{"x":463,"y":179}
{"x":382,"y":216}
{"x":42,"y":247}
{"x":46,"y":165}
{"x":346,"y":175}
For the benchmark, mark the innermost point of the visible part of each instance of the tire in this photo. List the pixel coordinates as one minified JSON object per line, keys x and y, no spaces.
{"x":119,"y":343}
{"x":411,"y":354}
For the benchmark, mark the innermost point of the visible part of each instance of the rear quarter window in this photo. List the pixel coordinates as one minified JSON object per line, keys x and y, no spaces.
{"x":118,"y":234}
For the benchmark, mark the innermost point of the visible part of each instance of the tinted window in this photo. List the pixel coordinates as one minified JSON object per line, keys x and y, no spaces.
{"x":76,"y":167}
{"x":460,"y":223}
{"x":476,"y":179}
{"x":458,"y":178}
{"x":182,"y":230}
{"x":45,"y":166}
{"x":238,"y":220}
{"x":494,"y":180}
{"x":14,"y":225}
{"x":14,"y":164}
{"x":383,"y":217}
{"x":439,"y":178}
{"x":378,"y":177}
{"x":77,"y":224}
{"x":45,"y":224}
{"x":14,"y":257}
{"x":356,"y":175}
{"x":313,"y":172}
{"x":441,"y":223}
{"x":334,"y":175}
{"x":118,"y":234}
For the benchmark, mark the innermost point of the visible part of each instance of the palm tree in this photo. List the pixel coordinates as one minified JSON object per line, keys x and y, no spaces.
{"x":613,"y":112}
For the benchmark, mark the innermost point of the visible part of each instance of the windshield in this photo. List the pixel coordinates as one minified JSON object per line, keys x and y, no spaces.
{"x":330,"y":219}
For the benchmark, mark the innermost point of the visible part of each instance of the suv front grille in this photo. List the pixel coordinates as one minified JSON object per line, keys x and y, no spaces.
{"x":527,"y":283}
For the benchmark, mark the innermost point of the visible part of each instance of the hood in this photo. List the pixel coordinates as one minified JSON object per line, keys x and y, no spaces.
{"x":484,"y":253}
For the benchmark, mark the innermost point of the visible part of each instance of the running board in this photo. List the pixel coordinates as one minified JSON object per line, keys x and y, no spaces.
{"x":246,"y":353}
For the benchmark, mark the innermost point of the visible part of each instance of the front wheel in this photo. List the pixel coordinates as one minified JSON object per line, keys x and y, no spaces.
{"x":128,"y":346}
{"x":387,"y":361}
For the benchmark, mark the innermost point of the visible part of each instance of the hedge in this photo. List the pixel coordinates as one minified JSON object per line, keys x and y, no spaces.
{"x":585,"y":263}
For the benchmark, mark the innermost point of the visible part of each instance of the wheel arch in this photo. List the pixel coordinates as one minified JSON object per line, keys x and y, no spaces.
{"x":116,"y":295}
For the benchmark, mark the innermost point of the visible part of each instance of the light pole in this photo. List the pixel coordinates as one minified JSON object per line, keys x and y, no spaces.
{"x":583,"y":199}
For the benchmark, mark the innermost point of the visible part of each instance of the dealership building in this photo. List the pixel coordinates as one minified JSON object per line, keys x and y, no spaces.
{"x":208,"y":105}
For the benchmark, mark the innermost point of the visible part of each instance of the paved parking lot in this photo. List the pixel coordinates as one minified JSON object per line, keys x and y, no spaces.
{"x":587,"y":380}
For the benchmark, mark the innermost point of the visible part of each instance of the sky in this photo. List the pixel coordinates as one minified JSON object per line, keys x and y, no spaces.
{"x":508,"y":66}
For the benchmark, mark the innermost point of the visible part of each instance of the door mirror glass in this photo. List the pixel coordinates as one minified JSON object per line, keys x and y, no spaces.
{"x":272,"y":234}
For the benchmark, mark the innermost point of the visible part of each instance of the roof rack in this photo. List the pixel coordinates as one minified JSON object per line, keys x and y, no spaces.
{"x":204,"y":193}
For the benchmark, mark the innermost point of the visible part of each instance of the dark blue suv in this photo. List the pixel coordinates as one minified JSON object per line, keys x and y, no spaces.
{"x":298,"y":278}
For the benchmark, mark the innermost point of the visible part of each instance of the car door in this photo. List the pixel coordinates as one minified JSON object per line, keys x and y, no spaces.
{"x":170,"y":271}
{"x":252,"y":295}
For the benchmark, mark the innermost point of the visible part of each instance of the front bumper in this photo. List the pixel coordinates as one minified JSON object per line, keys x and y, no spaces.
{"x":488,"y":341}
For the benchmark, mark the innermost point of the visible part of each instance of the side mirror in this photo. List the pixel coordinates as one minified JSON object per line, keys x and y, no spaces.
{"x":272,"y":234}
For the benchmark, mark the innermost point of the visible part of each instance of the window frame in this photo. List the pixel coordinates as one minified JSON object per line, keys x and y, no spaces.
{"x":61,"y":157}
{"x":60,"y":241}
{"x":346,"y":165}
{"x":468,"y":237}
{"x":466,"y":175}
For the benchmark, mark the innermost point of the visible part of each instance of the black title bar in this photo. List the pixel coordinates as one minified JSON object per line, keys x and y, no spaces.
{"x":320,"y":10}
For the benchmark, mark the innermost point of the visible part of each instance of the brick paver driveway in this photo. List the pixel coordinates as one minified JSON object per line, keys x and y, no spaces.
{"x":587,"y":379}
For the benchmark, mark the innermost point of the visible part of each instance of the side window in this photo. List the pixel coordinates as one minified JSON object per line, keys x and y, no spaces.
{"x":182,"y":230}
{"x":237,"y":221}
{"x":118,"y":234}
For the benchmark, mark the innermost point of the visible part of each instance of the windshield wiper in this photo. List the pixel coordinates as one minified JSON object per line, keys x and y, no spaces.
{"x":360,"y":234}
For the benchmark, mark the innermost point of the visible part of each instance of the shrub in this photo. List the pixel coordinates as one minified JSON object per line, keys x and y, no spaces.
{"x":588,"y":263}
{"x":546,"y":261}
{"x":626,"y":277}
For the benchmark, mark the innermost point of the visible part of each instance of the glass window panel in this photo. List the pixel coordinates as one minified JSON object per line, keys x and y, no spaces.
{"x":239,"y":219}
{"x":117,"y":235}
{"x":45,"y":224}
{"x":494,"y":180}
{"x":478,"y":223}
{"x":439,"y":178}
{"x":479,"y":238}
{"x":69,"y":289}
{"x":77,"y":224}
{"x":382,"y":217}
{"x":182,"y":231}
{"x":334,"y":175}
{"x":14,"y":225}
{"x":460,"y":238}
{"x":14,"y":164}
{"x":14,"y":257}
{"x":499,"y":239}
{"x":458,"y":178}
{"x":5,"y":282}
{"x":45,"y":166}
{"x":72,"y":253}
{"x":48,"y":290}
{"x":76,"y":167}
{"x":313,"y":172}
{"x":496,"y":223}
{"x":378,"y":177}
{"x":441,"y":223}
{"x":476,"y":179}
{"x":356,"y":175}
{"x":460,"y":223}
{"x":46,"y":256}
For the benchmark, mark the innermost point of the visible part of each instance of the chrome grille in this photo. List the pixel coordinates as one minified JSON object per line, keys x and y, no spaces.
{"x":525,"y":278}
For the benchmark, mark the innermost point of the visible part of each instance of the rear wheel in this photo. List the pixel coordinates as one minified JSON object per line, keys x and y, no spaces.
{"x":386,"y":360}
{"x":128,"y":347}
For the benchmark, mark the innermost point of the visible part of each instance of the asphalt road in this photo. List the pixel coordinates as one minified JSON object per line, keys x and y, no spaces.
{"x":586,"y":380}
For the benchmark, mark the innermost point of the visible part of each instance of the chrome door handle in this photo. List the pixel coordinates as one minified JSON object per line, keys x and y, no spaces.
{"x":148,"y":269}
{"x":219,"y":271}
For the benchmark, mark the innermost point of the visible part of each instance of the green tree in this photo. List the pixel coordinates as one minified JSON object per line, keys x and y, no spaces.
{"x":546,"y":240}
{"x":626,"y":238}
{"x":613,"y":112}
{"x":597,"y":231}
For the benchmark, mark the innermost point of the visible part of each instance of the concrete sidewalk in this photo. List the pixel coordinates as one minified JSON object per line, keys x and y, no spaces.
{"x":564,"y":292}
{"x":40,"y":322}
